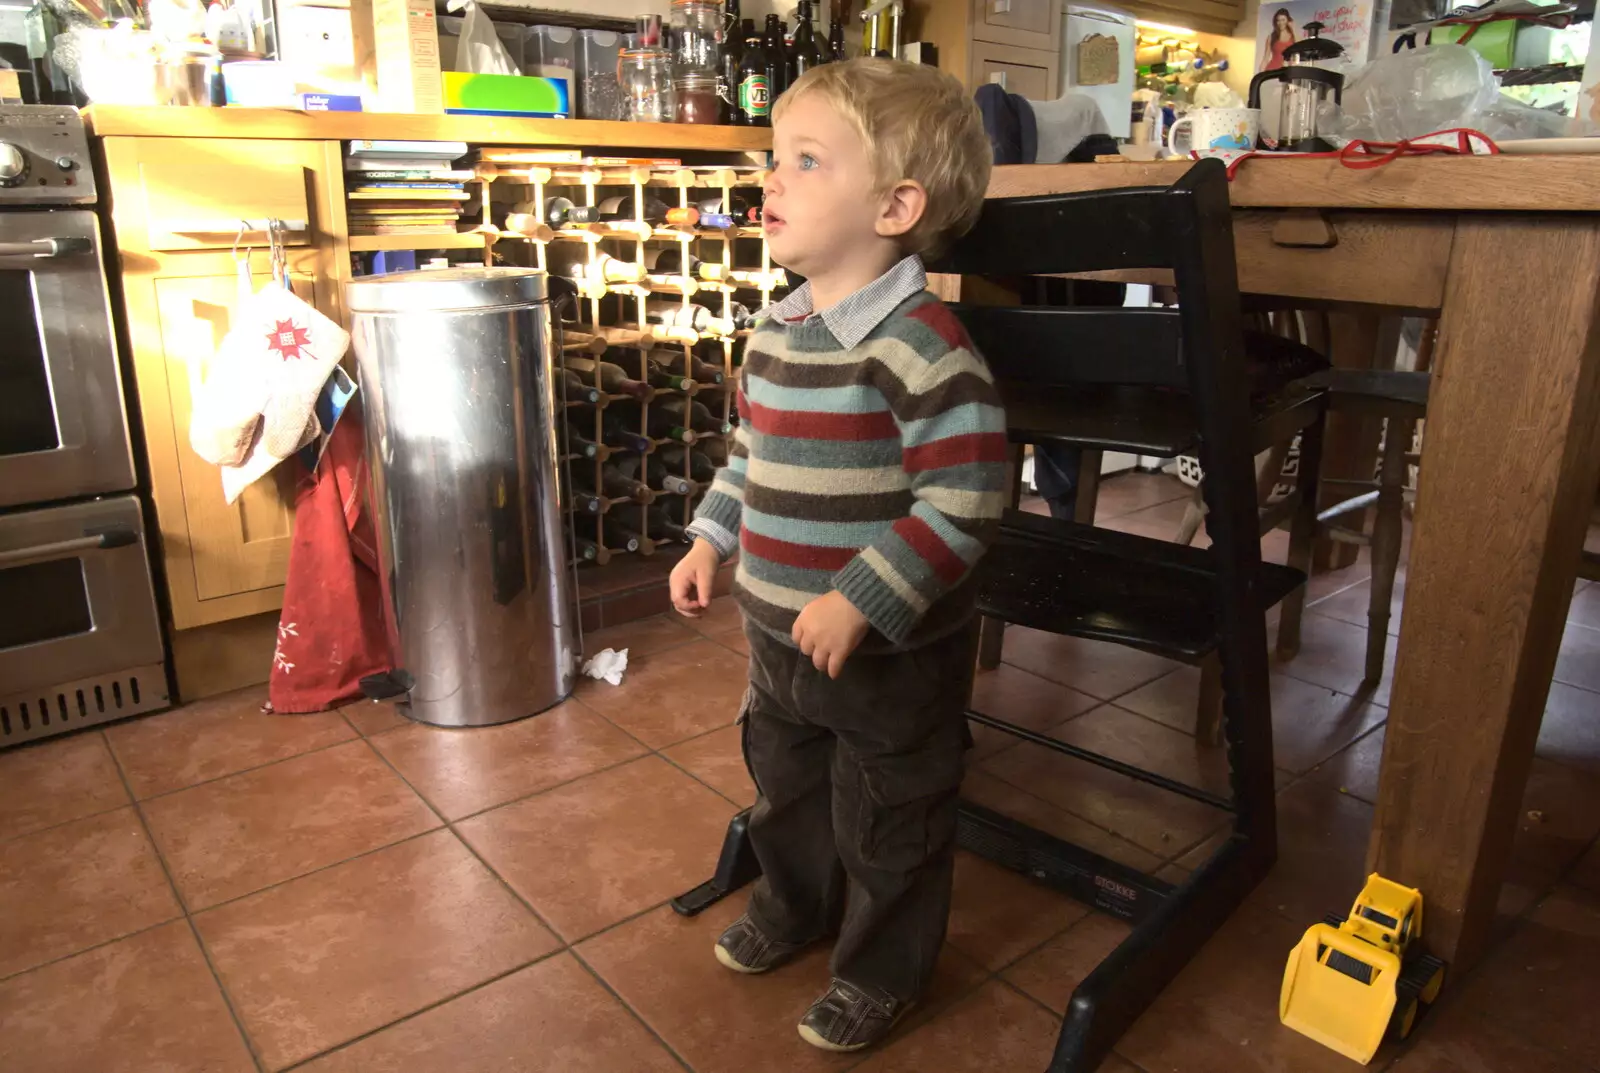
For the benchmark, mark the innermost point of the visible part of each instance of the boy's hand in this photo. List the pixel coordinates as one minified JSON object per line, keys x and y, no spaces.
{"x":828,"y":630}
{"x":692,"y":578}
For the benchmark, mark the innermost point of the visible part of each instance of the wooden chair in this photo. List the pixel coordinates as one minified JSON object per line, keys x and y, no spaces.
{"x":1401,"y":399}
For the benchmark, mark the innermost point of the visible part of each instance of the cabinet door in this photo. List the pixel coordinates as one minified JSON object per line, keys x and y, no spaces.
{"x":1027,"y":72}
{"x":1027,"y":23}
{"x":180,"y":291}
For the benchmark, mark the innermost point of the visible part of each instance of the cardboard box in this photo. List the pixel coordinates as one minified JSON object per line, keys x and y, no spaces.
{"x":317,"y":41}
{"x":397,"y":54}
{"x":514,"y":95}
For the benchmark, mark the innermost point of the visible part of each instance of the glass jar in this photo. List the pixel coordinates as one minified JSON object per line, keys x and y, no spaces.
{"x":645,"y":78}
{"x":696,"y":36}
{"x":697,"y":98}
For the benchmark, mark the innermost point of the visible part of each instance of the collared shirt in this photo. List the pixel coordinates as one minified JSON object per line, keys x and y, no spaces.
{"x":852,"y":319}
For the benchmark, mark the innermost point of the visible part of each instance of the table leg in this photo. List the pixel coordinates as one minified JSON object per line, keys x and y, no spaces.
{"x":1508,"y":475}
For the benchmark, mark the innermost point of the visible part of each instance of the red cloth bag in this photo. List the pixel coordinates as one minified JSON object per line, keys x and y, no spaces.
{"x":331,"y":632}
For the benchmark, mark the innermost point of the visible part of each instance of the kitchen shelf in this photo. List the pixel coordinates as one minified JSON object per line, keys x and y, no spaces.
{"x":286,"y":123}
{"x":469,"y":240}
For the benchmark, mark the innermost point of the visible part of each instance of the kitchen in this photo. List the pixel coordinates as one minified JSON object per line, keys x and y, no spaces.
{"x":133,"y":585}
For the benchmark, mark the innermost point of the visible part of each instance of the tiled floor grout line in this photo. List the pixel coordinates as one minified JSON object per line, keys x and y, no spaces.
{"x":463,"y":993}
{"x":449,"y":825}
{"x":242,"y":771}
{"x":102,"y":944}
{"x":188,"y":918}
{"x":318,"y":870}
{"x":628,"y":1006}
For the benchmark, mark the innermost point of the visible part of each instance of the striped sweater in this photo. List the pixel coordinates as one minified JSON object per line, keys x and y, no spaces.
{"x":877,"y":469}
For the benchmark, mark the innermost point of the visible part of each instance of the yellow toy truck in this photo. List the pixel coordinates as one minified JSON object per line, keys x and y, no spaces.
{"x":1351,"y":980}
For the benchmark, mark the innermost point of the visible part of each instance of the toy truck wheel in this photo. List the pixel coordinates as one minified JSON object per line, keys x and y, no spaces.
{"x":1431,"y":989}
{"x":1404,"y":1019}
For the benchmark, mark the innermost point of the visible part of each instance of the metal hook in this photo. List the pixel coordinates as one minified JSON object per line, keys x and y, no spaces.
{"x":244,"y":229}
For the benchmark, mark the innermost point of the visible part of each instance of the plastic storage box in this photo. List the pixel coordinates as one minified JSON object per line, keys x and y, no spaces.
{"x":599,"y":95}
{"x":551,"y":52}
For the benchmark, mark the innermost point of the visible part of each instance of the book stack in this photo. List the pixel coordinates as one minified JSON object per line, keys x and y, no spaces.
{"x":405,"y":188}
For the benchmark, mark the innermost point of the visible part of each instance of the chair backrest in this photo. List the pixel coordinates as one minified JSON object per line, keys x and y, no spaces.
{"x":1197,"y":348}
{"x":1186,"y":228}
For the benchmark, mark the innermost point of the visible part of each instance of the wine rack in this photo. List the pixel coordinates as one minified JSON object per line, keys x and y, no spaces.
{"x":640,"y":453}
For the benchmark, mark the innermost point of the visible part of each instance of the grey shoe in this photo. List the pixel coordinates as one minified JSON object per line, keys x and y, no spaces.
{"x":850,"y":1018}
{"x":746,"y":948}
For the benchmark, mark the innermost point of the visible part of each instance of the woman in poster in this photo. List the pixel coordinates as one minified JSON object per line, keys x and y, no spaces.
{"x":1280,"y":37}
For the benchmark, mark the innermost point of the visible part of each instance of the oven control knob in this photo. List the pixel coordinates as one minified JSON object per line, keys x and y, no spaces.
{"x":13,"y":165}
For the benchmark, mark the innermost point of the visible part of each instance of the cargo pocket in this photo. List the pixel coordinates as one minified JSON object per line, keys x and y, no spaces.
{"x":908,"y":804}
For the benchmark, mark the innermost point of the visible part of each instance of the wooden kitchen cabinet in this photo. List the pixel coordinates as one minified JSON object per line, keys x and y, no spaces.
{"x":1027,"y":72}
{"x":175,"y":207}
{"x":1027,"y":23}
{"x":1016,"y":43}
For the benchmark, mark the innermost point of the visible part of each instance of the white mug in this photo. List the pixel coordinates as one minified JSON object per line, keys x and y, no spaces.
{"x":1218,"y":130}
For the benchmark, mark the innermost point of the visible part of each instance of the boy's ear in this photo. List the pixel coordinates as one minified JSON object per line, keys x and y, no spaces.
{"x":902,"y":207}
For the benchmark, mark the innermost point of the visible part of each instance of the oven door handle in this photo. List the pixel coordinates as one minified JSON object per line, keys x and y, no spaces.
{"x":96,"y":539}
{"x":46,"y":247}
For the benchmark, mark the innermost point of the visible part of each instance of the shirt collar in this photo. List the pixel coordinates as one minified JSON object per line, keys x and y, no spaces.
{"x":853,"y":318}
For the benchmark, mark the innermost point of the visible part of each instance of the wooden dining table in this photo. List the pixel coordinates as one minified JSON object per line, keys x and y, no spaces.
{"x":1505,"y":251}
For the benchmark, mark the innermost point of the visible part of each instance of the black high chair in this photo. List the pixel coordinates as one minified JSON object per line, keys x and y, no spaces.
{"x":1156,"y":382}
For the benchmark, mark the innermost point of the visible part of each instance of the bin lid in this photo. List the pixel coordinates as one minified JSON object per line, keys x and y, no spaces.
{"x":430,"y":290}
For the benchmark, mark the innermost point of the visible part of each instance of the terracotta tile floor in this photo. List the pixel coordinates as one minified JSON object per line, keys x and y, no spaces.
{"x":214,"y":889}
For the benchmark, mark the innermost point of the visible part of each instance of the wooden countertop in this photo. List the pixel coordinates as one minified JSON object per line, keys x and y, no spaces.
{"x":283,"y":123}
{"x":1440,"y":183}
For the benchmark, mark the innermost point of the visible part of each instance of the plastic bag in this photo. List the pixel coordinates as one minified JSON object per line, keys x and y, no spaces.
{"x":1418,"y":91}
{"x":479,"y":51}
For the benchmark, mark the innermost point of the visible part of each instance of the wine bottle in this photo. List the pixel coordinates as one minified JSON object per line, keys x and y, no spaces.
{"x":625,"y":535}
{"x":777,"y":58}
{"x":588,"y":550}
{"x":735,"y":205}
{"x":613,"y":378}
{"x":701,"y":467}
{"x":704,"y":372}
{"x":559,"y":212}
{"x":656,"y":212}
{"x":693,"y":415}
{"x":664,"y":526}
{"x":694,"y":317}
{"x":663,"y":479}
{"x":728,"y":68}
{"x":575,"y":390}
{"x":614,"y":485}
{"x":720,"y":221}
{"x":668,"y":261}
{"x":610,"y":534}
{"x":663,"y":378}
{"x":615,"y":432}
{"x":571,"y":259}
{"x":836,"y":51}
{"x":581,"y":445}
{"x":586,"y":502}
{"x":754,"y":96}
{"x":523,"y":223}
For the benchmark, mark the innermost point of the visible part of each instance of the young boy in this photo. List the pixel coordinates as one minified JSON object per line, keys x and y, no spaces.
{"x":863,"y":484}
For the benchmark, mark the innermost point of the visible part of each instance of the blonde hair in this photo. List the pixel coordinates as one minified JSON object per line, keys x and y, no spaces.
{"x":917,"y":123}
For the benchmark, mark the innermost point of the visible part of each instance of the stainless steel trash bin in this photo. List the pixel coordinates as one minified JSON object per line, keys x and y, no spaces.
{"x":461,"y":439}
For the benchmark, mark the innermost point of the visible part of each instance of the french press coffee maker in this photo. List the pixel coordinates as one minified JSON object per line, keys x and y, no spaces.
{"x":1305,"y":86}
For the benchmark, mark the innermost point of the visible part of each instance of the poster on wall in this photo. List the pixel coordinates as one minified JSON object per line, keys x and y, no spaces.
{"x":1282,"y":24}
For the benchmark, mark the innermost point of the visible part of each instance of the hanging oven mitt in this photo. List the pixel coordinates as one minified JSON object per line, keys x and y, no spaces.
{"x":273,"y":362}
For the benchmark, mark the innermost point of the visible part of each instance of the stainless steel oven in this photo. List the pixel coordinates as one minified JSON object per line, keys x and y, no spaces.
{"x":80,"y":636}
{"x":63,"y":428}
